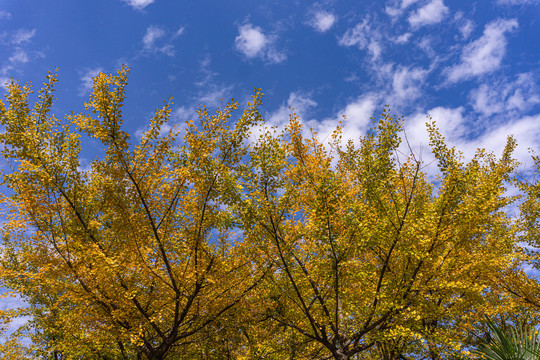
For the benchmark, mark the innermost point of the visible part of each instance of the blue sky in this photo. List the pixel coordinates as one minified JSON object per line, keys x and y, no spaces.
{"x":474,"y":66}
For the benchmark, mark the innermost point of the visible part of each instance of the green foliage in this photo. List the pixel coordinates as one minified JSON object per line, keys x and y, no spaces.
{"x":521,"y":344}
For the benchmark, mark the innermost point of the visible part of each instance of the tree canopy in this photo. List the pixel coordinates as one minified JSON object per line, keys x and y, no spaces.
{"x":226,"y":239}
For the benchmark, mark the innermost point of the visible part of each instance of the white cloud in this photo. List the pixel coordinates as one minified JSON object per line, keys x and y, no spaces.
{"x":465,"y":26}
{"x":298,"y":102}
{"x":5,"y":15}
{"x":519,"y":95}
{"x":518,"y":2}
{"x":431,"y":13}
{"x":182,"y":114}
{"x":403,"y":38}
{"x":355,"y":119}
{"x":374,"y":49}
{"x":22,"y":36}
{"x":451,"y":123}
{"x":406,"y":3}
{"x":213,"y":94}
{"x":177,"y":121}
{"x":8,"y":301}
{"x":407,"y":83}
{"x":398,"y":8}
{"x":163,"y":130}
{"x":253,"y":43}
{"x":4,"y":75}
{"x":363,"y":36}
{"x":400,"y":85}
{"x":359,"y":112}
{"x":3,"y":81}
{"x":139,"y":4}
{"x":458,"y":131}
{"x":152,"y":36}
{"x":11,"y":300}
{"x":393,"y":11}
{"x":487,"y":100}
{"x":179,"y":32}
{"x":466,"y":29}
{"x":484,"y":54}
{"x":275,"y":56}
{"x":19,"y":56}
{"x":205,"y":71}
{"x":425,"y":44}
{"x":322,"y":21}
{"x":87,"y":81}
{"x":526,"y":131}
{"x":153,"y":33}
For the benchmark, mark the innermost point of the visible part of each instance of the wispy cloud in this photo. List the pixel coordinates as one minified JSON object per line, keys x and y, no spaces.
{"x":154,"y":40}
{"x":22,"y":36}
{"x":507,"y":96}
{"x":403,"y":38}
{"x":358,"y":113}
{"x":406,"y":3}
{"x":299,"y":102}
{"x":182,"y":114}
{"x":429,"y":14}
{"x":450,"y":121}
{"x":87,"y":80}
{"x":179,"y":32}
{"x":4,"y":75}
{"x":525,"y":130}
{"x":355,"y":118}
{"x":456,"y":127}
{"x":518,"y":2}
{"x":213,"y":94}
{"x":398,"y":7}
{"x":19,"y":56}
{"x":485,"y":54}
{"x":400,"y":85}
{"x":465,"y":25}
{"x":205,"y":70}
{"x":139,"y":4}
{"x":407,"y":83}
{"x":16,"y":51}
{"x":466,"y":29}
{"x":365,"y":37}
{"x":322,"y":21}
{"x":253,"y":43}
{"x":153,"y":33}
{"x":5,"y":15}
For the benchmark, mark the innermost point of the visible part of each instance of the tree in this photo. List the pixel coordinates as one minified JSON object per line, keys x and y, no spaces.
{"x":221,"y":245}
{"x":525,"y":286}
{"x":371,"y":259}
{"x":136,"y":256}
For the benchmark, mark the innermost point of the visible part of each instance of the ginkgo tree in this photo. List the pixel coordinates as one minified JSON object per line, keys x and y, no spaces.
{"x":527,"y":288}
{"x":372,"y":259}
{"x":228,"y":244}
{"x":134,"y":257}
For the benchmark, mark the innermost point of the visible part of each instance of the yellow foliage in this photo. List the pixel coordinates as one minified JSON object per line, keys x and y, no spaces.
{"x":219,"y":246}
